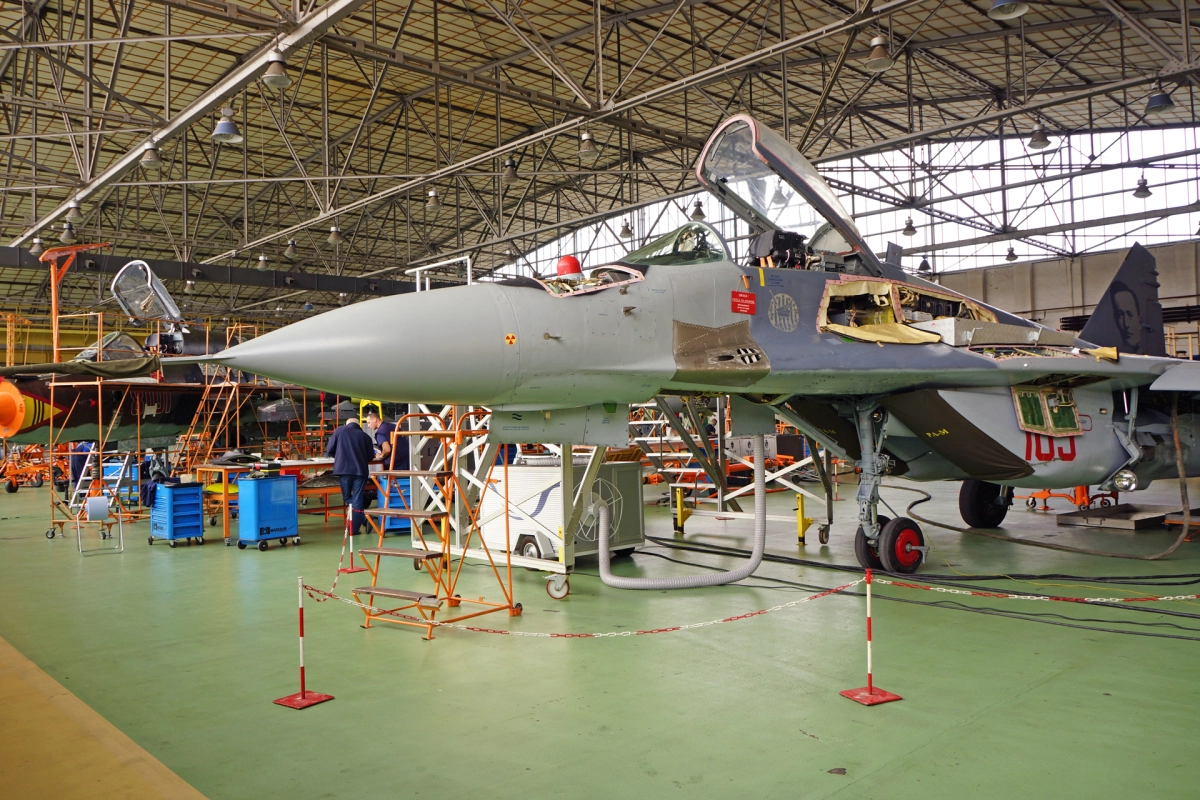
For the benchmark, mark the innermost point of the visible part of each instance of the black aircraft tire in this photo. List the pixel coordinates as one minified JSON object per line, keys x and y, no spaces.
{"x":868,"y":557}
{"x":978,"y":504}
{"x":898,"y":541}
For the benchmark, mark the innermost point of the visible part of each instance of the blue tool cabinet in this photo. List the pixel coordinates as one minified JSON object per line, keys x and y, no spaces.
{"x":398,"y":497}
{"x":267,"y":510}
{"x":177,"y":513}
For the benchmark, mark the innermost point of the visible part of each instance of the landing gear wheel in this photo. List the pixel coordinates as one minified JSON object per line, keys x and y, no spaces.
{"x":10,"y":486}
{"x":37,"y":481}
{"x":868,"y":557}
{"x":241,"y":545}
{"x":558,"y":586}
{"x":982,"y":504}
{"x":823,"y":534}
{"x":262,"y":547}
{"x":899,"y":544}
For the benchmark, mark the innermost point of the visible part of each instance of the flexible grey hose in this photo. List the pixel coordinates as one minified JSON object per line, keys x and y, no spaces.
{"x":696,"y":581}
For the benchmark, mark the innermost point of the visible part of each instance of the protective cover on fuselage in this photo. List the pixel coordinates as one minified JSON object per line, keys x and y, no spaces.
{"x":763,"y":179}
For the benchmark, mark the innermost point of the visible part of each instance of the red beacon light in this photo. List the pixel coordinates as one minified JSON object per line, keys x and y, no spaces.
{"x":568,"y":267}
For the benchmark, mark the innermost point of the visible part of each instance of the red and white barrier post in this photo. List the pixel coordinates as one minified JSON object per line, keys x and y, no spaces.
{"x":346,"y":537}
{"x":303,"y":698}
{"x":869,"y":695}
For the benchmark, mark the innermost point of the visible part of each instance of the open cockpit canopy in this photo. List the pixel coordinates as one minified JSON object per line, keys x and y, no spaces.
{"x":694,"y":243}
{"x":761,"y":177}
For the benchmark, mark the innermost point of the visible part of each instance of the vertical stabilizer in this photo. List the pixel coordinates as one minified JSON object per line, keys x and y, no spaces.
{"x":1128,"y":316}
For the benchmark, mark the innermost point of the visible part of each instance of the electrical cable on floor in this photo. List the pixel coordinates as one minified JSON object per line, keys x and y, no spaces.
{"x":1175,"y":579}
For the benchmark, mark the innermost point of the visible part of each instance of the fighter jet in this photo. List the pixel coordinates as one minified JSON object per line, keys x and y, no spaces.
{"x":887,"y":370}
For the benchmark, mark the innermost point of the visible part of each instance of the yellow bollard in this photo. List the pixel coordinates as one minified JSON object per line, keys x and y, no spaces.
{"x":681,"y":513}
{"x":802,"y":522}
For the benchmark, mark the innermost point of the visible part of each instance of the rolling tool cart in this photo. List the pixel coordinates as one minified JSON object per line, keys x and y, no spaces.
{"x":267,"y":510}
{"x":177,"y":513}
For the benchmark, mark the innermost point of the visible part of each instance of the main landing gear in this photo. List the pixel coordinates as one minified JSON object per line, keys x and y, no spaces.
{"x":895,"y":545}
{"x":984,"y":505}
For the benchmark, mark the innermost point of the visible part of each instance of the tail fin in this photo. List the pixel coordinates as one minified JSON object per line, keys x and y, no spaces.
{"x":1128,"y":316}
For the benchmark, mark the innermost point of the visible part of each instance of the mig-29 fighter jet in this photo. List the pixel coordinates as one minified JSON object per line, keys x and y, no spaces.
{"x":889,"y":371}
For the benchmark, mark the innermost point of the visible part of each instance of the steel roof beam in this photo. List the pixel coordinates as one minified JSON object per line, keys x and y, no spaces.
{"x":309,"y":28}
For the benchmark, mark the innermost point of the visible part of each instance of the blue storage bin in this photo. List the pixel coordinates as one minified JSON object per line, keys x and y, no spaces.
{"x":398,"y":494}
{"x":267,"y":510}
{"x":177,"y":513}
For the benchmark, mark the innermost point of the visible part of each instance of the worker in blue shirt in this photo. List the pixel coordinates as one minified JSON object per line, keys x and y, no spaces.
{"x":351,"y":449}
{"x":393,"y":459}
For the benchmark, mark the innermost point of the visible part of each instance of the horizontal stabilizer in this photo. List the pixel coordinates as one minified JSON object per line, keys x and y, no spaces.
{"x":1128,"y":316}
{"x":1183,"y":378}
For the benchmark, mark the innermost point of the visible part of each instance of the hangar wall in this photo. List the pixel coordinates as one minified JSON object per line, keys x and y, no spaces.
{"x":1047,"y":291}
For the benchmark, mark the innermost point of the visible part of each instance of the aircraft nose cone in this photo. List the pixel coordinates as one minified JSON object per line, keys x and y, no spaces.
{"x":442,"y":346}
{"x":12,"y":409}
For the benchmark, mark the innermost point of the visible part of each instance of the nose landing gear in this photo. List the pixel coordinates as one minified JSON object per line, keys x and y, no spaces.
{"x":894,"y":545}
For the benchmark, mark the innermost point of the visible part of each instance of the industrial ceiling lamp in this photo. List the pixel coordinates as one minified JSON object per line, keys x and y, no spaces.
{"x":626,"y":231}
{"x":151,"y":160}
{"x":697,"y":212}
{"x":74,"y":215}
{"x":779,"y":198}
{"x":308,"y":306}
{"x":909,"y":228}
{"x":879,"y":60}
{"x":291,"y":252}
{"x":226,"y":131}
{"x":276,"y":75}
{"x":1159,"y":103}
{"x":263,"y":263}
{"x":68,"y":234}
{"x":342,"y":298}
{"x":433,"y":203}
{"x":925,"y":267}
{"x":510,"y":256}
{"x":509,"y":176}
{"x":37,"y":246}
{"x":1011,"y":256}
{"x":189,"y":287}
{"x":587,"y":147}
{"x":1039,"y":140}
{"x":1007,"y":9}
{"x":1143,"y":189}
{"x":335,"y":235}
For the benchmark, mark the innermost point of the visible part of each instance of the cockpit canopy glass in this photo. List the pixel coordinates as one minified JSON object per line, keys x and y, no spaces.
{"x":142,"y":295}
{"x":115,"y":346}
{"x":732,"y":163}
{"x":694,"y":243}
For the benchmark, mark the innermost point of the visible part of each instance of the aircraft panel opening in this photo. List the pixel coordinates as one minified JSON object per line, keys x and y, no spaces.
{"x":608,"y":276}
{"x":885,"y":311}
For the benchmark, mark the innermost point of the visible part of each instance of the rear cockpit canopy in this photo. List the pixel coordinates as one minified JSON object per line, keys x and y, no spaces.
{"x":694,"y":243}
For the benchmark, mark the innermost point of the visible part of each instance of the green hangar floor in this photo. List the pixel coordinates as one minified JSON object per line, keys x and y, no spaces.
{"x":170,"y":659}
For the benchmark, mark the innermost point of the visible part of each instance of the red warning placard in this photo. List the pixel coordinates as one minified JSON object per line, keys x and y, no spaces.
{"x":744,"y":302}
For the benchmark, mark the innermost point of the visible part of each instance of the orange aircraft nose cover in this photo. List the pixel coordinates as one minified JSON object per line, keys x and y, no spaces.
{"x":12,"y":409}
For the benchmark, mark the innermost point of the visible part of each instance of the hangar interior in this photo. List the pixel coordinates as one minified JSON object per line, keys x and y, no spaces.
{"x":327,"y":208}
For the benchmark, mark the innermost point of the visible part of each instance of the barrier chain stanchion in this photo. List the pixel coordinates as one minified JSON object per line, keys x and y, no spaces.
{"x":869,"y":695}
{"x":303,"y":698}
{"x":347,"y":535}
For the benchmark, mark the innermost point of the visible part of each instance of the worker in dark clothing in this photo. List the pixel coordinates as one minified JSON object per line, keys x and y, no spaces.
{"x":77,"y":464}
{"x":393,"y":458}
{"x":352,"y":450}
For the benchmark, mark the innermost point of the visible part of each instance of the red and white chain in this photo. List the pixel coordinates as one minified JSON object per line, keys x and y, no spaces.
{"x":321,"y":595}
{"x":1042,"y":597}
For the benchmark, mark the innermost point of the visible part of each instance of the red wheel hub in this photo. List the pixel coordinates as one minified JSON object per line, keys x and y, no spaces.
{"x":905,"y":552}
